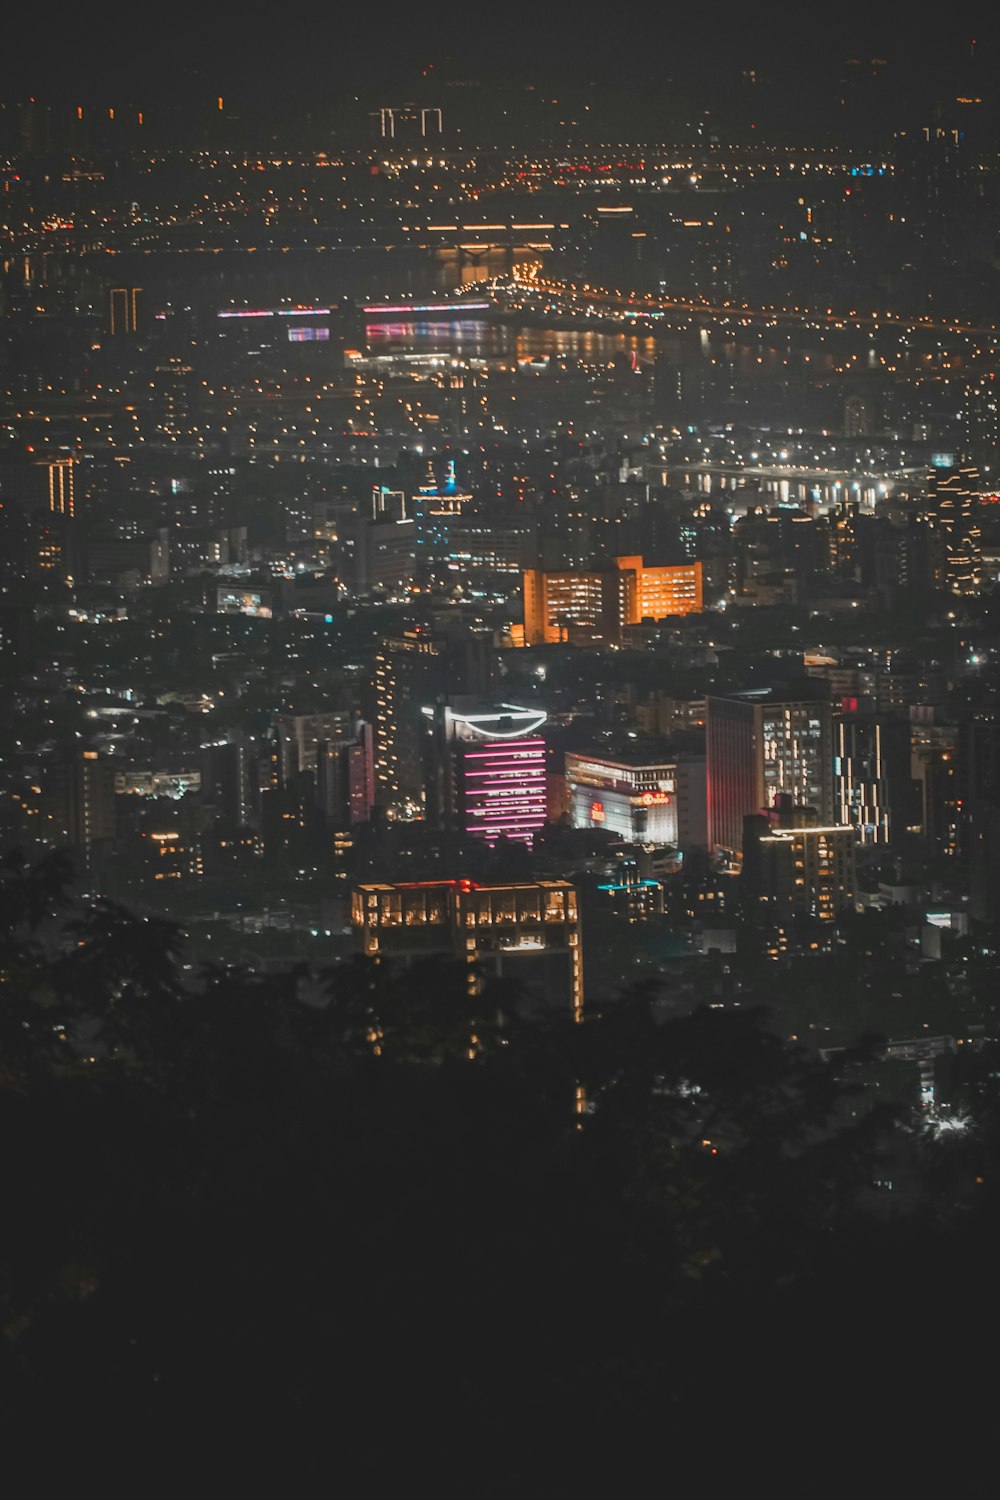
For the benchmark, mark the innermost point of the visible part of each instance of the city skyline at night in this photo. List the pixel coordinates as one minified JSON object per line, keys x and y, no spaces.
{"x":500,"y":751}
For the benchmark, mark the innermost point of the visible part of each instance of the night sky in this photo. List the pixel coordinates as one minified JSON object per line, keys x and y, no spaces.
{"x":283,"y":52}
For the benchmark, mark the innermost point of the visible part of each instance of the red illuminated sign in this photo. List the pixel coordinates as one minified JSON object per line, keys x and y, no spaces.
{"x":597,"y":813}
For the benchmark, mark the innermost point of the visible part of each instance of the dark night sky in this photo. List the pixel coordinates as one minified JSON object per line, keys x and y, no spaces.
{"x":290,"y":50}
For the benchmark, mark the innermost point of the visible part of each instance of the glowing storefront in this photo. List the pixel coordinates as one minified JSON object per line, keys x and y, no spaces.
{"x":638,"y":802}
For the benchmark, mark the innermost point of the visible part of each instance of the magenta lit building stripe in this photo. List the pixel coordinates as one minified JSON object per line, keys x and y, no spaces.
{"x":503,"y":786}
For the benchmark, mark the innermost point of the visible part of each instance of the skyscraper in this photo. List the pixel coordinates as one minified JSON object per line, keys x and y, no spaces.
{"x":301,"y":735}
{"x":437,"y":509}
{"x":123,"y":310}
{"x":345,"y":778}
{"x":385,"y":545}
{"x":80,"y":801}
{"x":760,"y":747}
{"x":952,"y":502}
{"x":60,"y":486}
{"x":226,"y":784}
{"x":795,"y":866}
{"x":861,"y":793}
{"x":412,"y":670}
{"x":486,"y":774}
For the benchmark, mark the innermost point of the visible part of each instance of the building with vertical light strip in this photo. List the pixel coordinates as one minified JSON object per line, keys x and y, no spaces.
{"x":79,"y":801}
{"x":861,"y":793}
{"x":422,"y":665}
{"x":486,"y":772}
{"x":60,"y":476}
{"x":124,"y":310}
{"x":761,"y":747}
{"x":44,"y":483}
{"x":529,"y":933}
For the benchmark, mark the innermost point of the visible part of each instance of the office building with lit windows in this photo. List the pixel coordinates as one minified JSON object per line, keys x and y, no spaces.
{"x":795,"y":866}
{"x":437,"y":510}
{"x":860,"y":782}
{"x":529,"y":932}
{"x":418,"y":667}
{"x":385,"y":545}
{"x":337,"y":750}
{"x":952,"y":504}
{"x":598,"y":604}
{"x":60,"y":485}
{"x":40,"y":485}
{"x":79,"y":801}
{"x":761,"y":747}
{"x":123,"y":310}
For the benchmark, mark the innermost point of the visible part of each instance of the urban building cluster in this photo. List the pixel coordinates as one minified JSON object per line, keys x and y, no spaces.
{"x":399,"y":537}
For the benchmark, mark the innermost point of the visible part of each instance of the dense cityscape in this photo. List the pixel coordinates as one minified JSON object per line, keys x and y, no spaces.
{"x":500,"y":770}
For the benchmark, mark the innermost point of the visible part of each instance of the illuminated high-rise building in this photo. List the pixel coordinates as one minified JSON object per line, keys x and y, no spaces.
{"x":408,"y":124}
{"x":598,"y":604}
{"x":760,"y":748}
{"x":793,"y":865}
{"x":981,"y":417}
{"x":79,"y":795}
{"x":385,"y":545}
{"x":345,"y":778}
{"x":953,"y":498}
{"x":123,"y":310}
{"x":437,"y":508}
{"x":860,"y":783}
{"x":38,"y":536}
{"x":60,"y":486}
{"x":226,"y":784}
{"x":337,"y":750}
{"x":301,"y":735}
{"x":486,"y":770}
{"x":412,"y":670}
{"x":408,"y":672}
{"x":529,"y":933}
{"x":169,"y":854}
{"x":40,"y":483}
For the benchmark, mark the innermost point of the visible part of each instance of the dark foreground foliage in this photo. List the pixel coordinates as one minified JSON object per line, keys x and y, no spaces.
{"x":261,"y":1239}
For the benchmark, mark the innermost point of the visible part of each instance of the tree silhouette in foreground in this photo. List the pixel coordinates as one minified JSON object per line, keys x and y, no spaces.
{"x":369,"y":1235}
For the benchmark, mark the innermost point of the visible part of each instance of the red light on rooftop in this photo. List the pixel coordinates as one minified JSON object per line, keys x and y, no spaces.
{"x":422,"y":885}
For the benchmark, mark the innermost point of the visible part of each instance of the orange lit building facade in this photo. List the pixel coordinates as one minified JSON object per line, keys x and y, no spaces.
{"x":597,"y":605}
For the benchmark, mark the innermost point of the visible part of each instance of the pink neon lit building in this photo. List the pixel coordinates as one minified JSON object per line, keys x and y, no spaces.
{"x":503,"y":789}
{"x":487,"y":773}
